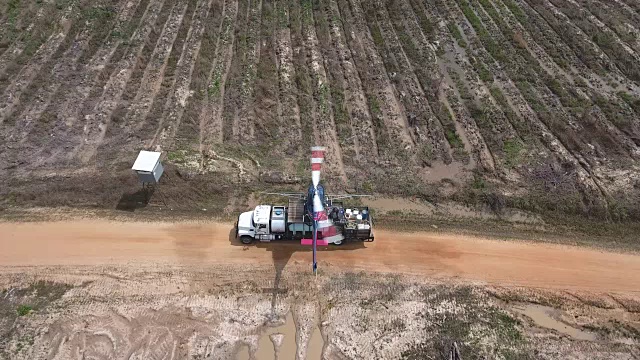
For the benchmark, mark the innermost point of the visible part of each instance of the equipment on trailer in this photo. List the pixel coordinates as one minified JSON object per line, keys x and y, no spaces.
{"x":312,"y":217}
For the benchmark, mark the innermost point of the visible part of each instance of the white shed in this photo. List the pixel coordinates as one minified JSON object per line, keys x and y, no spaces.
{"x":148,"y":166}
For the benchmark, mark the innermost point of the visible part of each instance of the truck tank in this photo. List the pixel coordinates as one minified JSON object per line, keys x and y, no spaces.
{"x":278,"y":219}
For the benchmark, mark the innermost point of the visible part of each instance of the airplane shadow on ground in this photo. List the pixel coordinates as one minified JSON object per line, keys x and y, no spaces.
{"x":135,"y":200}
{"x":281,"y":253}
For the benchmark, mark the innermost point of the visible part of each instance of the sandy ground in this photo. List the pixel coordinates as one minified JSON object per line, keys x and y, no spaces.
{"x":439,"y":256}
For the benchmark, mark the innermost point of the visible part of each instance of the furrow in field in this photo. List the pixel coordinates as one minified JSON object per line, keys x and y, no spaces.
{"x":63,"y":67}
{"x":563,"y":49}
{"x":575,"y":95}
{"x":234,"y":98}
{"x":263,"y":114}
{"x":30,"y":117}
{"x":355,"y":98}
{"x":304,"y":89}
{"x":355,"y":40}
{"x":65,"y":108}
{"x":337,"y":87}
{"x":556,"y":124}
{"x":632,"y":4}
{"x":619,"y":53}
{"x":72,"y":102}
{"x":211,"y":131}
{"x":417,"y":35}
{"x":384,"y":106}
{"x":20,"y":39}
{"x":467,"y":136}
{"x":185,"y":134}
{"x":530,"y":43}
{"x":11,"y":96}
{"x":568,"y":95}
{"x":470,"y":76}
{"x":624,"y":24}
{"x":407,"y":87}
{"x":149,"y":86}
{"x":584,"y":48}
{"x":13,"y":21}
{"x":98,"y":119}
{"x":323,"y":120}
{"x":154,"y":120}
{"x":243,"y":126}
{"x":288,"y":110}
{"x":628,"y":11}
{"x":179,"y":93}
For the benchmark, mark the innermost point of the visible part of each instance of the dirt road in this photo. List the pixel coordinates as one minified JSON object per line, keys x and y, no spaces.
{"x":507,"y":263}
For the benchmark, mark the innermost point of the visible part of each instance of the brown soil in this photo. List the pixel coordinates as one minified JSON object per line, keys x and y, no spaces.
{"x":440,"y":256}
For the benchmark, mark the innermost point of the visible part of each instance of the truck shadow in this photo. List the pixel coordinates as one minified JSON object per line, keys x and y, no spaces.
{"x":281,"y":253}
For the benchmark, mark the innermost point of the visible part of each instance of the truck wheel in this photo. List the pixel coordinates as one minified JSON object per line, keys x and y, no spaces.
{"x":246,"y":239}
{"x":338,"y":243}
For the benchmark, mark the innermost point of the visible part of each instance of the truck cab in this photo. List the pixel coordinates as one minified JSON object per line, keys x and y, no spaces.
{"x":264,"y":223}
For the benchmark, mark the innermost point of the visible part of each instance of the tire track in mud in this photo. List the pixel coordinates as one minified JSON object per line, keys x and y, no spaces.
{"x":362,"y":126}
{"x":384,"y":107}
{"x":211,"y":131}
{"x":180,"y":89}
{"x":288,"y":110}
{"x":99,"y":118}
{"x":323,"y":119}
{"x":154,"y":74}
{"x":27,"y":74}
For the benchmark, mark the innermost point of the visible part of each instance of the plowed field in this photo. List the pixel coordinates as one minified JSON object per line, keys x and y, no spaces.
{"x":520,"y":103}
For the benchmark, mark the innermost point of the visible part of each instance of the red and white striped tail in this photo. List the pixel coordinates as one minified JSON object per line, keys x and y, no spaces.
{"x":317,"y":158}
{"x":326,"y":230}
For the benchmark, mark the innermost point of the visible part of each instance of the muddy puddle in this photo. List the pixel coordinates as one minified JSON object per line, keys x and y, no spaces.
{"x":279,"y":343}
{"x":543,"y":316}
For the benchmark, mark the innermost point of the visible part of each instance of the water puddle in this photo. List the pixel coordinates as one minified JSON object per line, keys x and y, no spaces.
{"x":279,"y":343}
{"x":543,"y":316}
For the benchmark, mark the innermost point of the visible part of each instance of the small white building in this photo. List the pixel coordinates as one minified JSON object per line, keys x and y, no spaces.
{"x":148,"y":166}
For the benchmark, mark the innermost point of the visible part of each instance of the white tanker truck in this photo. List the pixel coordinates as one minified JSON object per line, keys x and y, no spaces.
{"x":278,"y":222}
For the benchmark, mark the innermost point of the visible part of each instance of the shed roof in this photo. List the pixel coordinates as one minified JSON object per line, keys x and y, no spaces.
{"x":146,"y":161}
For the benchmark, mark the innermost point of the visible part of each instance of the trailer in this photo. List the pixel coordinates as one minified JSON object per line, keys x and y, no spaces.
{"x":268,"y":223}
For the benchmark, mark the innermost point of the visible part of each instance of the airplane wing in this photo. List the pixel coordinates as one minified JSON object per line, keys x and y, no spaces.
{"x":293,"y":195}
{"x":344,"y":196}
